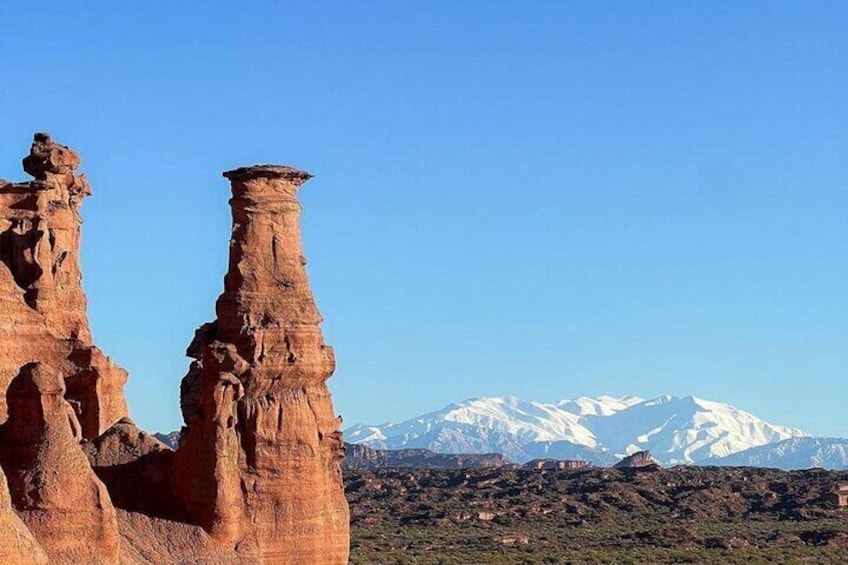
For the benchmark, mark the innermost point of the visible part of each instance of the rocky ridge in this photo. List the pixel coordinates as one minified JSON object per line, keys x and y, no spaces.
{"x":256,"y":477}
{"x":363,"y":457}
{"x":790,"y":454}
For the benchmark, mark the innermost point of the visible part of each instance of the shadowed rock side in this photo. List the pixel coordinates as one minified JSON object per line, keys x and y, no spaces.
{"x":259,"y":459}
{"x":51,"y":483}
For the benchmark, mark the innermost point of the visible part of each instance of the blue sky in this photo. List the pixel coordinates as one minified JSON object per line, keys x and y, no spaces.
{"x":544,"y":199}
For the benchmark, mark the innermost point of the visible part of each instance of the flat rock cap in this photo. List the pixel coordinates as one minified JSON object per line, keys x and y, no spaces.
{"x":269,"y":171}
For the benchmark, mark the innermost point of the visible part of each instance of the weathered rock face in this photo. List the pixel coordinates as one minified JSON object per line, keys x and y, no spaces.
{"x":57,"y":387}
{"x":260,"y":432}
{"x":51,"y":483}
{"x":17,"y":544}
{"x":42,"y":304}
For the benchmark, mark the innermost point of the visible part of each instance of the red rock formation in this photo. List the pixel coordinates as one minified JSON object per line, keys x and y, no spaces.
{"x":136,"y":469}
{"x":51,"y":483}
{"x":17,"y":545}
{"x":42,"y":304}
{"x":257,"y":476}
{"x":259,"y":460}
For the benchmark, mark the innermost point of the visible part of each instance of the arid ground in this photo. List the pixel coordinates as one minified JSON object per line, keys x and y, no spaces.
{"x":678,"y":515}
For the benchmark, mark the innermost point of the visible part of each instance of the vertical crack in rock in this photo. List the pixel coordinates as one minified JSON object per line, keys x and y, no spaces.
{"x":259,"y":458}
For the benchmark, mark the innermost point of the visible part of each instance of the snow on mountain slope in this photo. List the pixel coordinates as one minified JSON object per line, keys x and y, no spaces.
{"x":675,"y":430}
{"x":684,"y":430}
{"x":600,"y":406}
{"x":790,"y":454}
{"x":479,"y":425}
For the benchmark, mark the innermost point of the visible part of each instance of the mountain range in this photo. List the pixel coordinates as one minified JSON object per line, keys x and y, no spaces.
{"x":793,"y":453}
{"x":602,"y":430}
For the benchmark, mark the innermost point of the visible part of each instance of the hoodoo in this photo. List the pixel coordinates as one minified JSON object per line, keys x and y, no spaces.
{"x":42,"y":305}
{"x":257,"y":475}
{"x":259,"y":460}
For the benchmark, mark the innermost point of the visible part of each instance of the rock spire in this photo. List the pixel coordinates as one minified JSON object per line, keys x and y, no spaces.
{"x":260,"y":432}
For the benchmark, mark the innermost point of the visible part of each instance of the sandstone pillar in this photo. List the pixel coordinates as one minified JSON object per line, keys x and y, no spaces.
{"x":260,"y":454}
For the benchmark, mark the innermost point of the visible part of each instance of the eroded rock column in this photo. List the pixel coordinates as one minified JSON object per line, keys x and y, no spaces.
{"x":259,"y":460}
{"x":42,"y":304}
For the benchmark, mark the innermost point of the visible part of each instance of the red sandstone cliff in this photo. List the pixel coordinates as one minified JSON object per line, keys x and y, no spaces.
{"x":256,"y":478}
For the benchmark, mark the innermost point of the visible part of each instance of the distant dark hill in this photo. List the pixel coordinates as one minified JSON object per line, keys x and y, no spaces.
{"x":362,"y":457}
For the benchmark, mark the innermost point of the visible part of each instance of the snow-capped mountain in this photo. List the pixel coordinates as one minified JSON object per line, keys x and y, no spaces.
{"x":789,"y":454}
{"x":601,"y":430}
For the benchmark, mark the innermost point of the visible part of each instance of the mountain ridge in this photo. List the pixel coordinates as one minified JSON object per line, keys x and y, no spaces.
{"x":677,"y":430}
{"x":790,"y":454}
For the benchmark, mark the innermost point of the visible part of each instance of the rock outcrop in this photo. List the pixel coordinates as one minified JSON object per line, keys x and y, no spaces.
{"x":259,"y":460}
{"x":42,"y":304}
{"x":52,"y":485}
{"x":17,"y":544}
{"x":558,"y":465}
{"x":136,"y":469}
{"x":58,"y":387}
{"x":638,"y":460}
{"x":256,"y":477}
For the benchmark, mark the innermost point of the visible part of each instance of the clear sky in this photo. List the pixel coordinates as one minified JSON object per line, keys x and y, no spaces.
{"x":543,"y":199}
